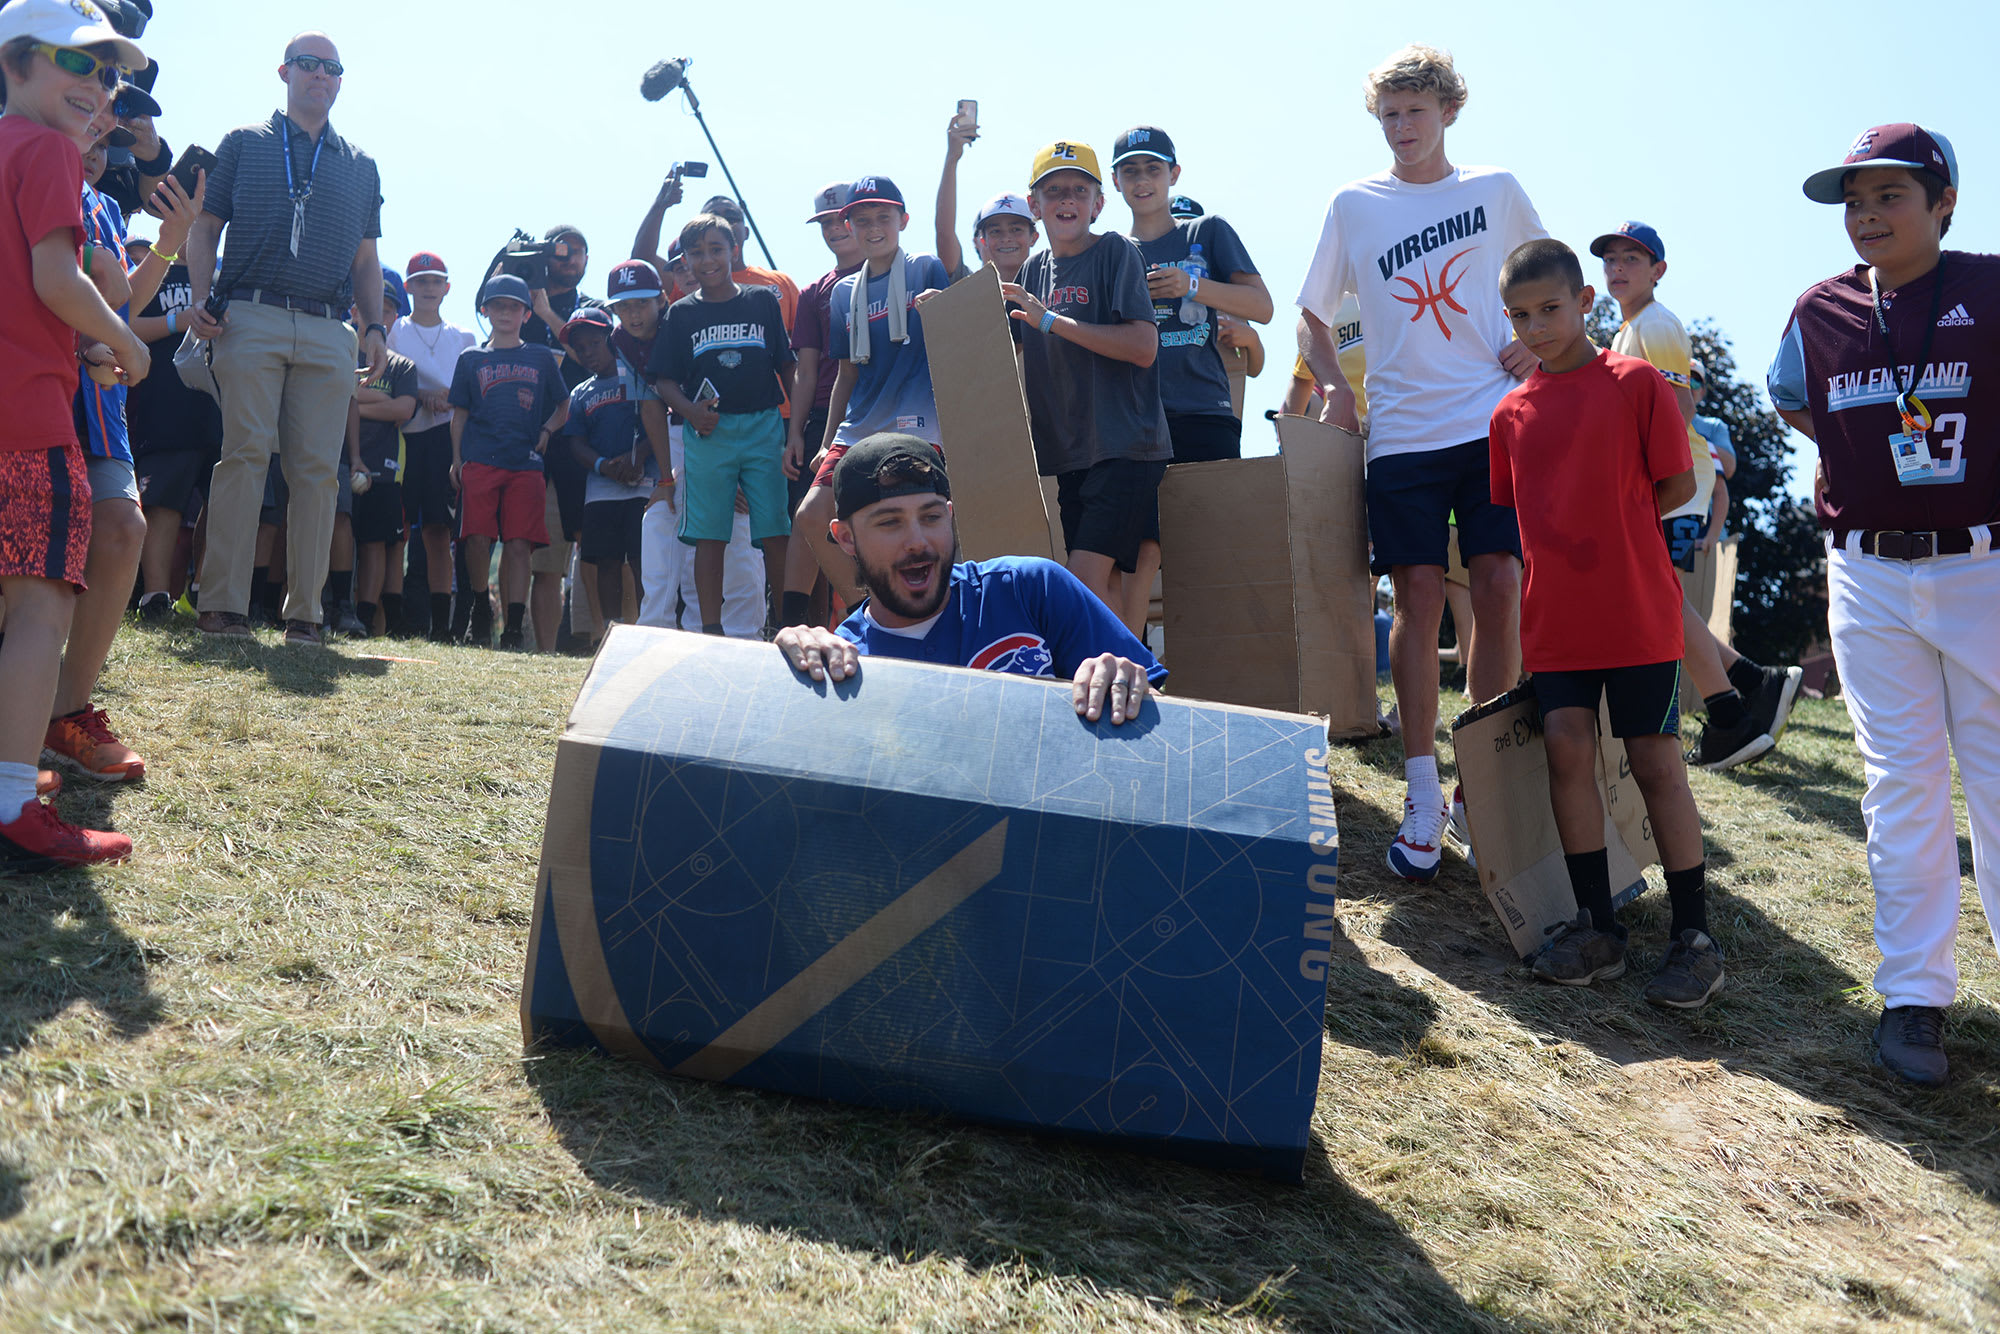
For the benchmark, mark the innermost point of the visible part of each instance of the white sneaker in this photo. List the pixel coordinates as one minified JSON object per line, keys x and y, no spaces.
{"x":1417,"y":847}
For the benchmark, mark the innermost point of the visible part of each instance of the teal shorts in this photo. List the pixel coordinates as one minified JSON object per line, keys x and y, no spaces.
{"x":747,"y":451}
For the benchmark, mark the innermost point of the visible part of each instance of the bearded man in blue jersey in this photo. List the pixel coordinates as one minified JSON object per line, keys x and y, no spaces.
{"x":1020,"y":614}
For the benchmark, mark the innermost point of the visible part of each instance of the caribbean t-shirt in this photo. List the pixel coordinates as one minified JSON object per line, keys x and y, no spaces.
{"x":1577,"y":455}
{"x":892,"y":389}
{"x":509,"y":392}
{"x":739,"y":346}
{"x":1192,"y":376}
{"x":1084,"y":408}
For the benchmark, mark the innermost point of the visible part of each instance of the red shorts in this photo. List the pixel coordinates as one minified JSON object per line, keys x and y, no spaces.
{"x":503,"y":504}
{"x":44,"y":514}
{"x":824,"y":477}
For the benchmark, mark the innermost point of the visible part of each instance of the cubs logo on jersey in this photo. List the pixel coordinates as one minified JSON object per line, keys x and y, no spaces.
{"x":1021,"y":654}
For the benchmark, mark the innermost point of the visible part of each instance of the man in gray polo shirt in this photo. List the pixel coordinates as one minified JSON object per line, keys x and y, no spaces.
{"x":303,"y":208}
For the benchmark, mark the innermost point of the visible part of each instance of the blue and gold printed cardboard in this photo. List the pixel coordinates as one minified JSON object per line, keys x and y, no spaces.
{"x":940,"y":889}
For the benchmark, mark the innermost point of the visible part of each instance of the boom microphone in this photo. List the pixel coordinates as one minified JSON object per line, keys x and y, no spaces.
{"x":663,"y":78}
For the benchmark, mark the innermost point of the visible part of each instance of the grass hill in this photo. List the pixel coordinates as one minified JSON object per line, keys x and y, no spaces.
{"x":268,"y":1077}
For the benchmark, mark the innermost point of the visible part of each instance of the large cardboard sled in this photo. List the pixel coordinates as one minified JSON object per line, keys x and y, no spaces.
{"x":1266,"y":590}
{"x":1504,"y":768}
{"x":983,"y":416}
{"x":938,"y":888}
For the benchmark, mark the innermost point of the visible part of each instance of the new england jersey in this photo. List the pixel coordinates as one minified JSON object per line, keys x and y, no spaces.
{"x":1019,"y":614}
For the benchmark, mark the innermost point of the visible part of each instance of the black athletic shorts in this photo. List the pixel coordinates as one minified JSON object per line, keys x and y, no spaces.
{"x":1644,"y":700}
{"x":175,"y":479}
{"x":815,"y":431}
{"x":1111,"y":507}
{"x":378,"y":513}
{"x":1201,"y":437}
{"x":611,"y":531}
{"x":1682,"y":534}
{"x":565,"y":477}
{"x":426,"y":484}
{"x":1411,"y":498}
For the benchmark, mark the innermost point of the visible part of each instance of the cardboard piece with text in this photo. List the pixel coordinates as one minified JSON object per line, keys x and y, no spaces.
{"x":1265,"y":584}
{"x":1504,"y":768}
{"x":983,"y":417}
{"x":936,"y":888}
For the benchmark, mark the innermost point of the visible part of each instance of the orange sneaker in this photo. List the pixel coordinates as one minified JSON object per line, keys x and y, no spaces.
{"x":38,"y":840}
{"x":83,"y":741}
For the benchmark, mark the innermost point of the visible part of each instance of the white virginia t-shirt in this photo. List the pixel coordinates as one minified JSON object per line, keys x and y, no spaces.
{"x":435,"y":350}
{"x":1424,"y":262}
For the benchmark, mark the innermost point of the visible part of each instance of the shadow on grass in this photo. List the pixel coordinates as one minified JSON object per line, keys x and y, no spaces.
{"x":293,"y":670}
{"x":1821,"y":792}
{"x":904,"y":1186}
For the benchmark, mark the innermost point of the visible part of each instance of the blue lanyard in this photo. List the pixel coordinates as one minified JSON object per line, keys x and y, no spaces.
{"x":292,"y":191}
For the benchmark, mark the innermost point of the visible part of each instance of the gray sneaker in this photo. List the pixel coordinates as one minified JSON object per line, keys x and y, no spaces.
{"x":1909,"y":1043}
{"x":1689,"y":975}
{"x":1579,"y":954}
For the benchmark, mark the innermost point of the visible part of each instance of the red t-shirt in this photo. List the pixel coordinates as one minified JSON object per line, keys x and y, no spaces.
{"x":41,"y":180}
{"x":1576,"y":455}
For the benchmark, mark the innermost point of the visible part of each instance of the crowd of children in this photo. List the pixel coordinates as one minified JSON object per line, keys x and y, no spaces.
{"x":705,"y":404}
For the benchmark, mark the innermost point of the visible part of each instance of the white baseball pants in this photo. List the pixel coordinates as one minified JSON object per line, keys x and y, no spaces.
{"x":666,"y":565}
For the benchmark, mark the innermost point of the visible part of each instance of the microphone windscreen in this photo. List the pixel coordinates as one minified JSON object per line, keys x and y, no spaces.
{"x":660,"y":80}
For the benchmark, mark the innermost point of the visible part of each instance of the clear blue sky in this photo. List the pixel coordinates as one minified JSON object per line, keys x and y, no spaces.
{"x":1700,"y":119}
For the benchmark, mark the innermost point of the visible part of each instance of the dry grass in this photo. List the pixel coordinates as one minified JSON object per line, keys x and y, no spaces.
{"x":268,"y":1077}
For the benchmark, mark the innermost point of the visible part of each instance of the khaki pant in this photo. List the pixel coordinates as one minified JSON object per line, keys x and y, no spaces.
{"x":286,"y":380}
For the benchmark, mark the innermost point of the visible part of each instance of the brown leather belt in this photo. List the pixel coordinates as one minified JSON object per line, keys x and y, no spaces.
{"x":301,"y":304}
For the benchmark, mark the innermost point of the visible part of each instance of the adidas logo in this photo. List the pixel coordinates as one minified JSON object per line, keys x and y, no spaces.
{"x":1957,"y":315}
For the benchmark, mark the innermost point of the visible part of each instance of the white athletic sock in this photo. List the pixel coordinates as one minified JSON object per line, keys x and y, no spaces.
{"x":17,"y":789}
{"x":1421,"y":772}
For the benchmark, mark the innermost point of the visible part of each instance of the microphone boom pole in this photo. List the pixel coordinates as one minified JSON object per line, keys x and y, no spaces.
{"x":694,"y":105}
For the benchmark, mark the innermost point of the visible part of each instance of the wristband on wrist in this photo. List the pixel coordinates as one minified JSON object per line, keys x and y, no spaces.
{"x":171,"y":316}
{"x":598,"y":467}
{"x":172,"y":257}
{"x":87,"y":250}
{"x":373,"y":327}
{"x":160,"y":164}
{"x":1048,"y":320}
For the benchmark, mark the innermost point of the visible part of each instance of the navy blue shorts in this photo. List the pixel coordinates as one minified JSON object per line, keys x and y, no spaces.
{"x":1411,"y":498}
{"x":1682,"y":534}
{"x":1643,"y":700}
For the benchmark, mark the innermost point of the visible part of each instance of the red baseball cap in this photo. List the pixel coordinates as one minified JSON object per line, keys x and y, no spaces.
{"x":425,"y":261}
{"x":1901,"y":144}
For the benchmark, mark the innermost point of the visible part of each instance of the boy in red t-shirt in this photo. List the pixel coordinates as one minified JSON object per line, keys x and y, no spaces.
{"x":1591,"y":450}
{"x":60,"y":64}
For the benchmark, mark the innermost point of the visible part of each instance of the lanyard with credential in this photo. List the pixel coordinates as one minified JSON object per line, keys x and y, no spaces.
{"x":297,"y":194}
{"x":1916,"y":417}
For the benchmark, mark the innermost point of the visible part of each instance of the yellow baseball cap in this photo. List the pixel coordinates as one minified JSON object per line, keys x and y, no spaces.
{"x":1065,"y":155}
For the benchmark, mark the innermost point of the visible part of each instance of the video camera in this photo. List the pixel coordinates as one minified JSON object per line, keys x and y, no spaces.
{"x":527,"y":258}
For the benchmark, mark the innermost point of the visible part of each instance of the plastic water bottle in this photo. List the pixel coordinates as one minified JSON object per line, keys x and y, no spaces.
{"x":1192,"y":311}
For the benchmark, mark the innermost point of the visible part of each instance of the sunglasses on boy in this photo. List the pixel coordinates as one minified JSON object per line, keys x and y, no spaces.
{"x":82,"y":64}
{"x":313,"y":64}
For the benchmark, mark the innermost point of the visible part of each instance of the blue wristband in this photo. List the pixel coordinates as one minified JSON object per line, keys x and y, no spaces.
{"x":1048,"y":319}
{"x":598,"y":467}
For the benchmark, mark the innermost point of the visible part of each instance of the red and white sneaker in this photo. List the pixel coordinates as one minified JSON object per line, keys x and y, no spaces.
{"x":39,"y":840}
{"x":83,"y":742}
{"x":1418,"y":845}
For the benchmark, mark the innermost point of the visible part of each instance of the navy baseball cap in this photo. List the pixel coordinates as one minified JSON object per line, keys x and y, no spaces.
{"x":1898,"y":145}
{"x":1003,"y":206}
{"x":1638,"y":233}
{"x":1180,"y":206}
{"x":505,"y":285}
{"x":392,"y":285}
{"x":872,"y":190}
{"x":132,"y":100}
{"x":857,"y":478}
{"x":1144,"y":141}
{"x":832,"y":198}
{"x":585,"y":317}
{"x":632,"y":280}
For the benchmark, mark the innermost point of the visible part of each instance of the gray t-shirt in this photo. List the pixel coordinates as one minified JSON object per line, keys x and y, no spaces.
{"x":1192,"y":376}
{"x":1085,"y":408}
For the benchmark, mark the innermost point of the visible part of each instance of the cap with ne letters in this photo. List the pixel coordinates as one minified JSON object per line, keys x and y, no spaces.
{"x":1639,"y":234}
{"x":1144,"y":141}
{"x":830,"y":200}
{"x":632,"y":280}
{"x":1901,"y":144}
{"x":1065,"y":155}
{"x":857,"y":478}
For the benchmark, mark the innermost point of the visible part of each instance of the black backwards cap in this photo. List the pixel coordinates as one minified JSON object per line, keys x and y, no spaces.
{"x":857,"y":478}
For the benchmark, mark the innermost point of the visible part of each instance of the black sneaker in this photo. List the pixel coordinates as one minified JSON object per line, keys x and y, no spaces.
{"x":1909,"y":1043}
{"x":1689,"y":975}
{"x":1771,"y":706}
{"x":481,"y":632}
{"x":156,"y":609}
{"x":1726,"y":747}
{"x":1578,"y":954}
{"x":344,"y":622}
{"x":510,"y":639}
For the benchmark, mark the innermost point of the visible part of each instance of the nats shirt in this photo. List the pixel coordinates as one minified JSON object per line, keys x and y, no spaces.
{"x":1833,"y":363}
{"x":1019,"y":614}
{"x":1577,"y":455}
{"x":1424,"y":263}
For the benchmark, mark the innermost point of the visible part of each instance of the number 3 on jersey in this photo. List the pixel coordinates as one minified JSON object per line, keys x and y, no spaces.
{"x":1947,"y":440}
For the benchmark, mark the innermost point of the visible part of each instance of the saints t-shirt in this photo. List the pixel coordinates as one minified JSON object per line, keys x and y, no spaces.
{"x":434,"y":349}
{"x":1424,"y":262}
{"x":1656,"y":335}
{"x":604,"y":414}
{"x":738,"y":346}
{"x":382,"y":442}
{"x":892,"y":389}
{"x":1021,"y":614}
{"x":1084,"y":408}
{"x":162,"y":414}
{"x":509,"y":392}
{"x":1192,"y":376}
